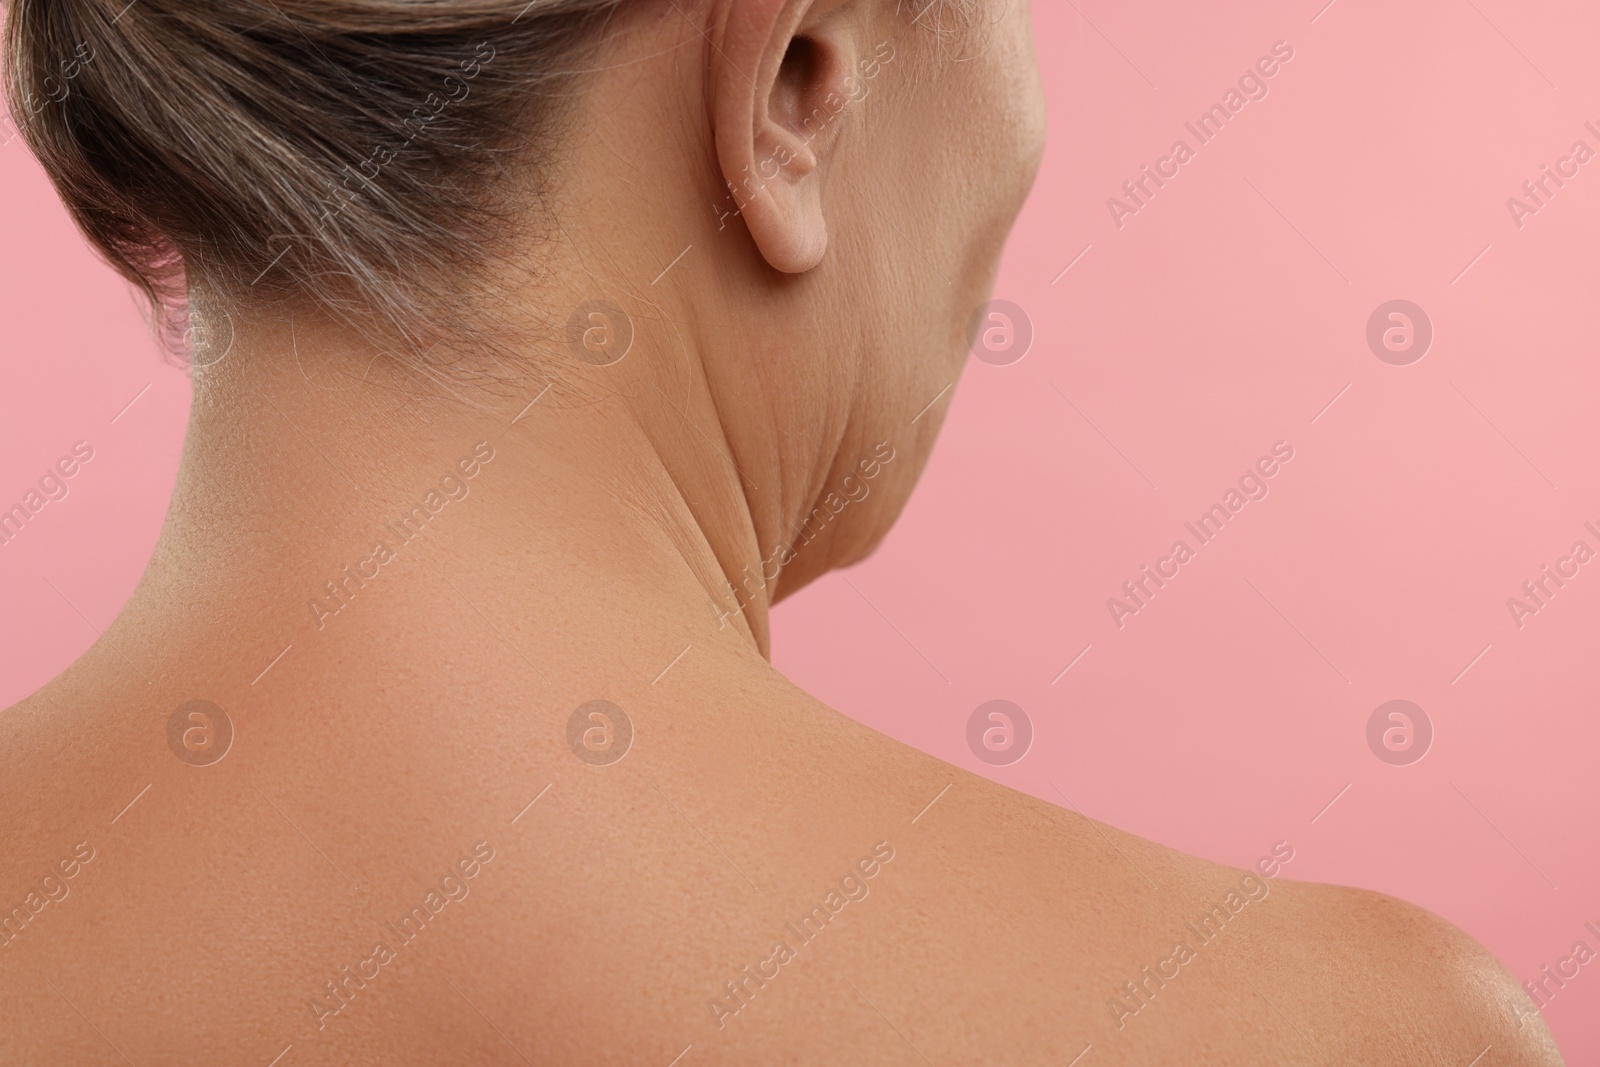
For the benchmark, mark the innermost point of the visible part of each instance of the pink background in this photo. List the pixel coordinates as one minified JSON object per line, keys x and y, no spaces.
{"x":1224,"y":316}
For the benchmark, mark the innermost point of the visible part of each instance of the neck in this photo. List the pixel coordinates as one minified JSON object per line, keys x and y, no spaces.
{"x":677,"y":480}
{"x":317,"y":473}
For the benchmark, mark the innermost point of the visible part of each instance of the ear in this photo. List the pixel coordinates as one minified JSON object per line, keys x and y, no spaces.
{"x":780,"y":86}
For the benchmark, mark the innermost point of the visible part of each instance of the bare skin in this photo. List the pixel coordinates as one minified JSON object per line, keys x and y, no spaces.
{"x":598,"y":911}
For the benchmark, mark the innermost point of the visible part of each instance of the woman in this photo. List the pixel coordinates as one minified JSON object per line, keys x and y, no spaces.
{"x":538,"y":349}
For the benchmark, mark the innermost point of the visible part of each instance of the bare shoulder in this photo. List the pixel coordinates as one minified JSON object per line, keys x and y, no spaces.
{"x":1401,"y":982}
{"x":1324,"y":973}
{"x":1150,"y":955}
{"x":54,"y":788}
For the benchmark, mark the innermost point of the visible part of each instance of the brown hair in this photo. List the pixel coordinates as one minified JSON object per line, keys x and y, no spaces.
{"x":338,"y":153}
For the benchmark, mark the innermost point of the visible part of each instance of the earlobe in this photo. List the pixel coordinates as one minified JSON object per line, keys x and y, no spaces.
{"x":781,"y":194}
{"x":771,"y":145}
